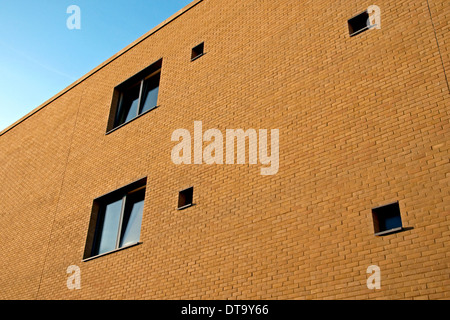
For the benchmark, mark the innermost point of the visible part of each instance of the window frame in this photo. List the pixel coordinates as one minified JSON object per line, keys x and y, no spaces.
{"x":350,"y":26}
{"x":377,"y":221}
{"x":154,"y":70}
{"x":194,"y":51}
{"x":97,"y":218}
{"x":181,"y":194}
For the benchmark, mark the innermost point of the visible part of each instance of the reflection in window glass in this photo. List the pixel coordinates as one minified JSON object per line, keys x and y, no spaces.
{"x":132,"y":219}
{"x":109,"y":225}
{"x":150,"y":93}
{"x":118,"y":220}
{"x":137,"y":97}
{"x":128,"y":108}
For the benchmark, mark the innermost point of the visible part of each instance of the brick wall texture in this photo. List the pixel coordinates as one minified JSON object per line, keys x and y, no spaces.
{"x":363,"y":122}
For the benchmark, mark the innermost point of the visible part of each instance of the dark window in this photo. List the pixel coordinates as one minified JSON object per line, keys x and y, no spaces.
{"x":387,"y":219}
{"x":150,"y":93}
{"x":128,"y":106}
{"x":185,"y":198}
{"x":116,"y":220}
{"x":197,"y":51}
{"x":135,"y":96}
{"x":358,"y":23}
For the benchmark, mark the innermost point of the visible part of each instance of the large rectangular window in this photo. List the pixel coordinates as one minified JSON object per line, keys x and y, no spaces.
{"x":136,"y":96}
{"x":116,"y":220}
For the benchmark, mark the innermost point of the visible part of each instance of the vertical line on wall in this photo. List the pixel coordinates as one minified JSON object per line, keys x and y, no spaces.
{"x":437,"y":42}
{"x":60,"y":190}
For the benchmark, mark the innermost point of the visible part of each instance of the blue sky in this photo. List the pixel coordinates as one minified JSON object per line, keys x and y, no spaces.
{"x":40,"y":55}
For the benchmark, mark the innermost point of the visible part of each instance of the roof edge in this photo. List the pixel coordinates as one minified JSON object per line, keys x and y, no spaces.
{"x":102,"y":65}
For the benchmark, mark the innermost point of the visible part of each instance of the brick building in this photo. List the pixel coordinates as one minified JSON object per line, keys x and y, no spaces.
{"x":88,"y":178}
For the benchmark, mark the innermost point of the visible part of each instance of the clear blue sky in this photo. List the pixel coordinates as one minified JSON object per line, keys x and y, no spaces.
{"x":40,"y":55}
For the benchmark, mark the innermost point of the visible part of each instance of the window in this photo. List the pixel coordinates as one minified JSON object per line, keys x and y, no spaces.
{"x":116,"y":220}
{"x":136,"y":96}
{"x":185,"y":198}
{"x":359,"y":23}
{"x":387,"y":219}
{"x":197,"y":51}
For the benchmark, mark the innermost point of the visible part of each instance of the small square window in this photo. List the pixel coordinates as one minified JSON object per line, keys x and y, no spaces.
{"x":116,"y":220}
{"x":197,"y":51}
{"x":136,"y":96}
{"x":387,"y":219}
{"x":359,"y":23}
{"x":185,"y":198}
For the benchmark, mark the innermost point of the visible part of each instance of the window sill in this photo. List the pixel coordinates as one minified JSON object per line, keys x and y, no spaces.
{"x":390,"y":231}
{"x":186,"y":206}
{"x":137,"y":117}
{"x":199,"y":56}
{"x":112,"y":251}
{"x":359,"y":31}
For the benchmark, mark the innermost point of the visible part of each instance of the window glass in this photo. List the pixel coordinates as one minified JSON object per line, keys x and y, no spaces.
{"x":391,"y":222}
{"x":129,"y":105}
{"x":150,"y":93}
{"x":132,"y":219}
{"x":109,"y":227}
{"x":386,"y":218}
{"x":135,"y":96}
{"x":116,"y":220}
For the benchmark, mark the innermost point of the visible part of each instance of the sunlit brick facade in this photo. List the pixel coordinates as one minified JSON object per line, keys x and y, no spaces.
{"x":363,"y":121}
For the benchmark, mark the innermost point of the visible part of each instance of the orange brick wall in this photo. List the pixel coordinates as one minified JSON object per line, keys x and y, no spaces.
{"x":364,"y":121}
